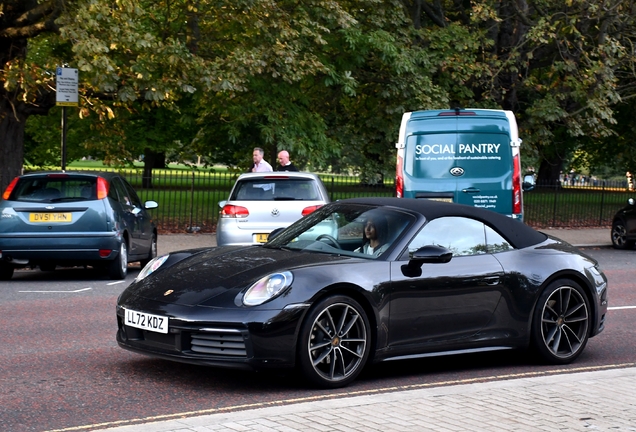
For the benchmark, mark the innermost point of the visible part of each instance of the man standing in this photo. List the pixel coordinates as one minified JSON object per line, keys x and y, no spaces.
{"x":285,"y":164}
{"x":260,"y":165}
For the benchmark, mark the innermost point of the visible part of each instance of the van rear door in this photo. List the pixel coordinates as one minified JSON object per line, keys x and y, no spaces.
{"x":465,"y":158}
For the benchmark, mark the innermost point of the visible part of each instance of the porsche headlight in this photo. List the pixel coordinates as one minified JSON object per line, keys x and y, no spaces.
{"x":267,"y":288}
{"x":151,"y":267}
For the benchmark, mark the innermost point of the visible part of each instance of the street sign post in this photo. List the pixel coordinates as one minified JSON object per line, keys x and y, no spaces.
{"x":66,"y":80}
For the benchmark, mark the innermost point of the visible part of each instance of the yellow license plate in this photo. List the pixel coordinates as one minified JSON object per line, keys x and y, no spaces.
{"x":261,"y":238}
{"x":50,"y":217}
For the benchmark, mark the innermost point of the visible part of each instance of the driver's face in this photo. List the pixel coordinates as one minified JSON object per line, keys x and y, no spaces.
{"x":369,"y":231}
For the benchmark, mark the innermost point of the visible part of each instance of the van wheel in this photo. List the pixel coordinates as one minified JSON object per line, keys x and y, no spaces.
{"x":118,"y":268}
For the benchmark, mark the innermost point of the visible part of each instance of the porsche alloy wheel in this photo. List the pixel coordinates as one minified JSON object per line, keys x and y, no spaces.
{"x":619,"y":237}
{"x":561,"y":322}
{"x":334,"y":342}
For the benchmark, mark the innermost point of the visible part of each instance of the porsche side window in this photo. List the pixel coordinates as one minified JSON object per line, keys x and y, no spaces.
{"x":496,"y":243}
{"x":460,"y":235}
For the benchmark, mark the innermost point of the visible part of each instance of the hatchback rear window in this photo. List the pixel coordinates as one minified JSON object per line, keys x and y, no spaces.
{"x":55,"y":189}
{"x":276,"y":189}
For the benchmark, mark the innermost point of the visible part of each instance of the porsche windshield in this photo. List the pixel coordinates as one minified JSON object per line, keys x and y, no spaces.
{"x":353,"y":229}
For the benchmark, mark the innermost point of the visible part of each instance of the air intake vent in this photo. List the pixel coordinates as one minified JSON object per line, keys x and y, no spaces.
{"x":219,"y":344}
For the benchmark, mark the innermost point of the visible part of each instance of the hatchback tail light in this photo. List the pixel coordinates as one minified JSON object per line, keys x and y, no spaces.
{"x":102,"y":188}
{"x":9,"y":189}
{"x":310,"y":209}
{"x":104,"y":253}
{"x":234,"y":211}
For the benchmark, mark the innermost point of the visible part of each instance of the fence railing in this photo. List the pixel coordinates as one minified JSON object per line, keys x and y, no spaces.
{"x":188,"y":200}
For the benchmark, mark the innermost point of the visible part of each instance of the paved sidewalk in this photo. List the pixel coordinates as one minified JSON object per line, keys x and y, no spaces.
{"x":602,"y":400}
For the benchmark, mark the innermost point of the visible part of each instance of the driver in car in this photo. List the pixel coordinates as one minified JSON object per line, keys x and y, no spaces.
{"x":375,"y":236}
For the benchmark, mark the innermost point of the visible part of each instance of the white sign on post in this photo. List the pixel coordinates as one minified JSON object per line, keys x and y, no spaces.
{"x":66,"y":86}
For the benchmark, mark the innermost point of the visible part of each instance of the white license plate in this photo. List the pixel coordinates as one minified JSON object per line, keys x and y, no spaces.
{"x":146,"y":321}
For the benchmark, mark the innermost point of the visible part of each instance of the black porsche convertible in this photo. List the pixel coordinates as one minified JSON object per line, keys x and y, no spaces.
{"x":368,"y":280}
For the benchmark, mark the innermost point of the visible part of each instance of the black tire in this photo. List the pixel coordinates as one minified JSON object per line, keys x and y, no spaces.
{"x":561,"y":322}
{"x":619,"y":236}
{"x":6,"y":271}
{"x":334,"y":342}
{"x":152,"y":253}
{"x":118,"y":268}
{"x":47,"y":267}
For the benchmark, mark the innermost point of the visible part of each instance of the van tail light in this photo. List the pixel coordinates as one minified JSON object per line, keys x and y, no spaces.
{"x":399,"y":178}
{"x":9,"y":189}
{"x":517,"y":204}
{"x":102,"y":188}
{"x":310,"y":209}
{"x":234,"y":211}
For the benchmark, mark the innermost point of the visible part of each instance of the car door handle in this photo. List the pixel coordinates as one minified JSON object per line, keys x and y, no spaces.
{"x":471,"y":190}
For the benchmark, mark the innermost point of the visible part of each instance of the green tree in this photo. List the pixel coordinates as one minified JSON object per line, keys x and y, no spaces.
{"x":562,"y":66}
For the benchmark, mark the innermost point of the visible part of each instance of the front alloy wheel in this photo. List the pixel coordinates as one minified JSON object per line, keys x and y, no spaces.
{"x":561,"y":324}
{"x":619,"y":236}
{"x":335,"y":343}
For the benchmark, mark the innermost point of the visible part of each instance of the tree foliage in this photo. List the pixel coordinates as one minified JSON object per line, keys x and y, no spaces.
{"x":327,"y":80}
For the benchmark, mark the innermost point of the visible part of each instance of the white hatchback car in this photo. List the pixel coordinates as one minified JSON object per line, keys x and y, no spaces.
{"x":261,"y":202}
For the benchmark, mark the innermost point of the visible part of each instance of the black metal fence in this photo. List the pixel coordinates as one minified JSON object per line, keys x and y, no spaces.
{"x":188,"y":200}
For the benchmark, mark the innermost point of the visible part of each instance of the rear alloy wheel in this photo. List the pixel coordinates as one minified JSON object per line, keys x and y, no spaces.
{"x":152,"y":253}
{"x":6,"y":271}
{"x":561,"y":324}
{"x":334,"y":342}
{"x":118,"y":268}
{"x":619,"y":236}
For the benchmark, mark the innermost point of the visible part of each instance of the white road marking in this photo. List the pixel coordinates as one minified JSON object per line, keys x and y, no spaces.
{"x":73,"y":291}
{"x":115,"y":283}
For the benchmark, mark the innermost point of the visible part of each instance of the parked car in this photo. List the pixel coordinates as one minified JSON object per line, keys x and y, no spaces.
{"x":450,"y":279}
{"x":624,"y":227}
{"x":262,"y":202}
{"x":71,"y":218}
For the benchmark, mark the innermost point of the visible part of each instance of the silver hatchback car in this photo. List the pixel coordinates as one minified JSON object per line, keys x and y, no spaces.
{"x":261,"y":202}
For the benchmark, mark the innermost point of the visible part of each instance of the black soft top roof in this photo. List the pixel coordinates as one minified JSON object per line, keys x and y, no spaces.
{"x":517,"y":233}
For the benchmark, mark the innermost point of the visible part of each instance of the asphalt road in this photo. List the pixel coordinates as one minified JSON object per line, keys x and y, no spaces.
{"x":61,"y":368}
